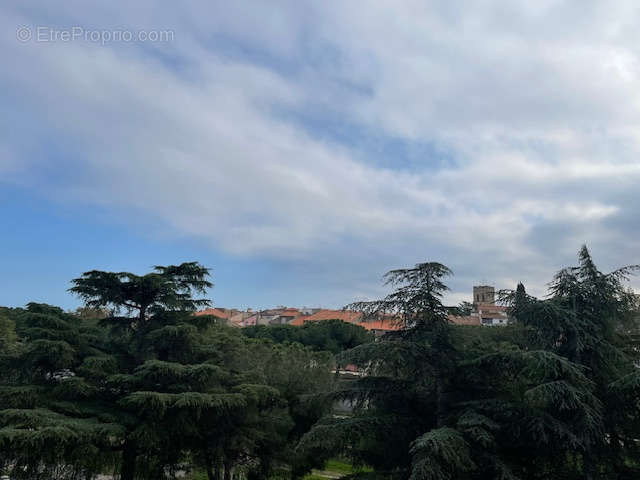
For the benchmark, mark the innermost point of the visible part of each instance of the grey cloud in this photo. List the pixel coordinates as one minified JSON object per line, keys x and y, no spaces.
{"x":537,"y":104}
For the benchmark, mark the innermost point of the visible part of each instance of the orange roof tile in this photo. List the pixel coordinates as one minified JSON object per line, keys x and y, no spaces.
{"x":325,"y":314}
{"x":215,"y":312}
{"x":387,"y":324}
{"x":468,"y":320}
{"x":299,"y":321}
{"x":344,"y":315}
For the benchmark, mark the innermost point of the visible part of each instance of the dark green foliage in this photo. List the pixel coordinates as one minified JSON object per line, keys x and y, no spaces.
{"x":405,"y":392}
{"x":462,"y":310}
{"x":166,"y":289}
{"x":280,"y":384}
{"x":148,"y":385}
{"x":8,"y":336}
{"x":331,"y":335}
{"x":136,"y":384}
{"x":553,"y":396}
{"x":417,"y":297}
{"x":47,"y":427}
{"x":592,"y":320}
{"x":441,"y":453}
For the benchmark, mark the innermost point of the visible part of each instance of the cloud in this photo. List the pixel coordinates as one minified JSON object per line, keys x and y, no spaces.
{"x":234,"y":132}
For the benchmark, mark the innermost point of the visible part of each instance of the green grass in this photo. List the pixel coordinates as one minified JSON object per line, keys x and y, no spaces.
{"x":338,"y":466}
{"x":335,"y":466}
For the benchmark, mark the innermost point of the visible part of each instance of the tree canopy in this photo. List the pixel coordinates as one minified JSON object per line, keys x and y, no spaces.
{"x":554,"y":395}
{"x":148,"y":385}
{"x":331,"y":335}
{"x":136,"y":385}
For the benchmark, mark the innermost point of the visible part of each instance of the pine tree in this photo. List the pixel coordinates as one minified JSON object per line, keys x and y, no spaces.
{"x":330,"y":335}
{"x":591,"y":319}
{"x":8,"y":336}
{"x":406,"y":389}
{"x":48,"y":427}
{"x":164,"y":384}
{"x":149,"y":385}
{"x":277,"y":383}
{"x":442,"y":402}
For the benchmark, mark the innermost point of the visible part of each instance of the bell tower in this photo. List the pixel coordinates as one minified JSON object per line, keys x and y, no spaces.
{"x":484,"y":294}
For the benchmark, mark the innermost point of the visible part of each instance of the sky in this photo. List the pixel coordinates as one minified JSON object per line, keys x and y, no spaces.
{"x":301,"y":149}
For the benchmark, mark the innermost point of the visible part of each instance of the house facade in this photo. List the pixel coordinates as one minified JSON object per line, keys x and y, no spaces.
{"x":484,"y":309}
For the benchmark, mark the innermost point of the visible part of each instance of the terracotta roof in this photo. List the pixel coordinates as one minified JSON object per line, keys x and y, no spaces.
{"x":325,"y":314}
{"x":468,"y":320}
{"x":215,"y":312}
{"x":299,"y":321}
{"x":492,"y":311}
{"x":344,"y":315}
{"x":387,"y":324}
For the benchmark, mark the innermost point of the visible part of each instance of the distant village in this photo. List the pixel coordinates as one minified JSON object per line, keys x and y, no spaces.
{"x":482,"y":311}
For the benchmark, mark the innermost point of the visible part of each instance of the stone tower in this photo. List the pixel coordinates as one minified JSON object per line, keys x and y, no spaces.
{"x":484,"y":294}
